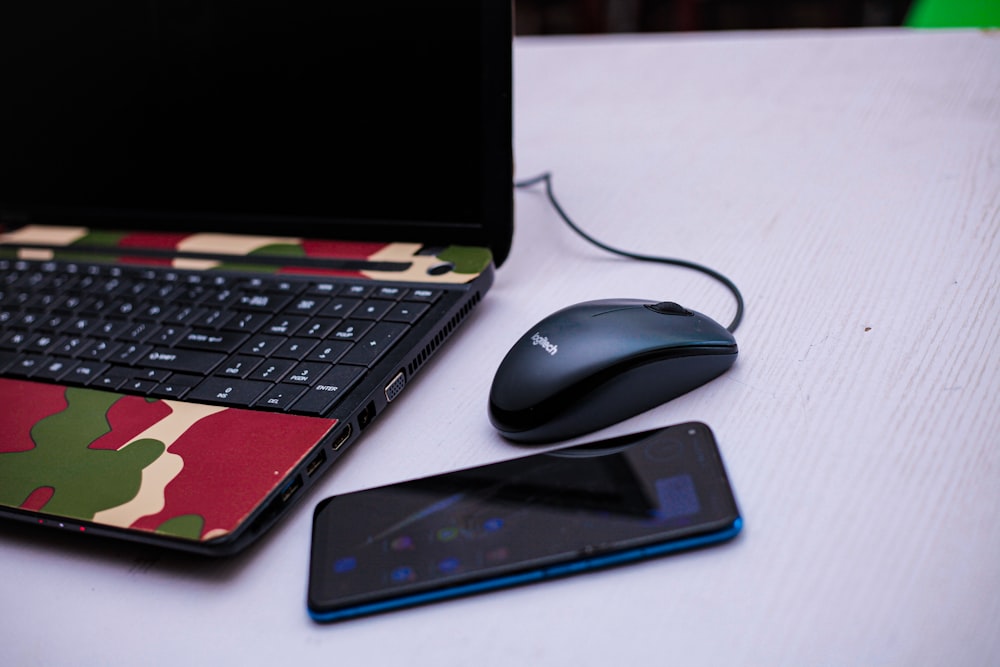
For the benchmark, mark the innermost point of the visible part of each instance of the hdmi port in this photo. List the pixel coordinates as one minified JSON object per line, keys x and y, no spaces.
{"x":342,"y":437}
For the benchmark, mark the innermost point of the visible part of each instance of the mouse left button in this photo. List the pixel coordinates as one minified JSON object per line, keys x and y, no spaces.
{"x":669,"y":308}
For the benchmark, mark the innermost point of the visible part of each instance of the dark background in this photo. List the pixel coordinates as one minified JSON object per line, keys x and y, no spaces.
{"x":535,"y":17}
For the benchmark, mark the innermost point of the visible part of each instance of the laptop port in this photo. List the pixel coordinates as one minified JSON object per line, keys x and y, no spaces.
{"x":342,"y":437}
{"x":315,"y":464}
{"x":395,"y":388}
{"x":291,"y":489}
{"x":367,"y":415}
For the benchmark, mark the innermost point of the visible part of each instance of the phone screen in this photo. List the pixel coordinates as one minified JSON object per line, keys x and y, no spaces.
{"x":544,"y":515}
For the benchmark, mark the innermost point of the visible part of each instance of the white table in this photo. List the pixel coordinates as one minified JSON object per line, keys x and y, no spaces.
{"x":850,"y":183}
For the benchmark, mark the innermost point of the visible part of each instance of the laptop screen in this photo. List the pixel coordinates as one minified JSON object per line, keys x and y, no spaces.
{"x":380,"y":120}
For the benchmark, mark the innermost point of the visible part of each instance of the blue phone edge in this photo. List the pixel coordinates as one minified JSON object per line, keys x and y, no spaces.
{"x":550,"y":572}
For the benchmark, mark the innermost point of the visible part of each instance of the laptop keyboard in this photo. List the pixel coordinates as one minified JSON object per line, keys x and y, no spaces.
{"x":268,"y":342}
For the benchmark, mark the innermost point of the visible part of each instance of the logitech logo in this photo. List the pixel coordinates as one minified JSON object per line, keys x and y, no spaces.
{"x":543,"y":342}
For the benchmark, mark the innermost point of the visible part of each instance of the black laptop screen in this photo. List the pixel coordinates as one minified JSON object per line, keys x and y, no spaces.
{"x":384,"y":120}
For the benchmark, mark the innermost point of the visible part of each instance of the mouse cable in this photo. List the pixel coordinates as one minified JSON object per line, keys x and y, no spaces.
{"x":730,"y":285}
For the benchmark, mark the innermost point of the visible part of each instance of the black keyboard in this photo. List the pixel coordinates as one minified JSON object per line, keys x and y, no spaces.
{"x":270,"y":342}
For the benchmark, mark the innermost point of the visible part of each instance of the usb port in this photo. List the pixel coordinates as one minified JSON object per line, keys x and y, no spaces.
{"x":315,"y":464}
{"x":290,"y":490}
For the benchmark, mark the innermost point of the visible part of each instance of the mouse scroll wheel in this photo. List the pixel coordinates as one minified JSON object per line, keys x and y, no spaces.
{"x":669,"y":308}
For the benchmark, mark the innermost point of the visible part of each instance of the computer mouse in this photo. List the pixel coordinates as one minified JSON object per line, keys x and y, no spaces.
{"x":596,"y":363}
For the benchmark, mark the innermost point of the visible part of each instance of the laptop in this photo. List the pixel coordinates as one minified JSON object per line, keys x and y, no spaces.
{"x":231,"y":232}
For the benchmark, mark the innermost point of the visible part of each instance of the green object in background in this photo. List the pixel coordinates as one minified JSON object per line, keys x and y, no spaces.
{"x":954,"y":14}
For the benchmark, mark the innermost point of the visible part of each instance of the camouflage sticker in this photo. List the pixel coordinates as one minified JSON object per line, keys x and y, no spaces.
{"x":462,"y":261}
{"x":188,"y":470}
{"x":454,"y":264}
{"x":44,"y":235}
{"x":144,"y":241}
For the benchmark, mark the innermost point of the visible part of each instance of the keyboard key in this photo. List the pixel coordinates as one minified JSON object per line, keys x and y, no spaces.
{"x":14,"y":340}
{"x":186,"y":314}
{"x":262,"y":303}
{"x":53,"y":322}
{"x":110,"y":328}
{"x":99,"y":350}
{"x":54,"y":369}
{"x":41,"y":344}
{"x":212,"y":341}
{"x":375,"y":343}
{"x":306,"y":373}
{"x":27,"y":365}
{"x":272,"y":370}
{"x":295,"y":348}
{"x":329,"y":351}
{"x":213,"y":318}
{"x":123,"y":307}
{"x":111,"y":380}
{"x":372,"y":309}
{"x":169,"y":390}
{"x":183,"y":361}
{"x":129,"y":354}
{"x":424,"y":295}
{"x":350,"y":330}
{"x":307,"y":305}
{"x":340,"y":306}
{"x":271,"y":284}
{"x":138,"y":386}
{"x":220,"y":299}
{"x":319,"y":327}
{"x":85,"y":372}
{"x":176,"y":387}
{"x":262,"y":346}
{"x":154,"y":312}
{"x":319,"y":398}
{"x":228,"y":392}
{"x":390,"y":292}
{"x":239,"y":366}
{"x":323,"y":289}
{"x":407,"y":312}
{"x":80,"y":325}
{"x":284,"y":325}
{"x":137,"y":332}
{"x":154,"y":374}
{"x":358,"y":290}
{"x":281,"y":396}
{"x":247,"y":322}
{"x":168,"y":335}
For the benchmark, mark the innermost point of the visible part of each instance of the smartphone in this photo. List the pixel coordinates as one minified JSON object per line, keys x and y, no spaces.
{"x":545,"y":515}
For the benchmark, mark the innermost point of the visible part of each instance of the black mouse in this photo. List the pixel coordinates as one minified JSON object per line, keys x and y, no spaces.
{"x":596,"y":363}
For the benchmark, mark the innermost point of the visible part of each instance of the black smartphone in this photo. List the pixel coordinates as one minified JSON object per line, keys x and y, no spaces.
{"x":545,"y":515}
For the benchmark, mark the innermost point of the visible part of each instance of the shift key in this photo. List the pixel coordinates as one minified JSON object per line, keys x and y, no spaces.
{"x":182,"y":361}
